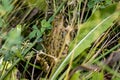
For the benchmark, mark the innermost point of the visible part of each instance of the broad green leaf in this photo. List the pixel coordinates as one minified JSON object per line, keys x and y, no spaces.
{"x":76,"y":76}
{"x":12,"y":43}
{"x":99,"y":22}
{"x":97,"y":76}
{"x":7,"y":5}
{"x":13,"y":38}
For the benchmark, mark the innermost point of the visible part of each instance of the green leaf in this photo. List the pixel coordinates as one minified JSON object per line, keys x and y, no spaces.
{"x":97,"y":76}
{"x":76,"y":76}
{"x":116,"y":78}
{"x":99,"y":22}
{"x":12,"y":43}
{"x":35,"y":27}
{"x":14,"y":37}
{"x":39,"y":33}
{"x":36,"y":32}
{"x":42,"y":30}
{"x":7,"y":5}
{"x":108,"y":1}
{"x":32,"y":34}
{"x":45,"y":24}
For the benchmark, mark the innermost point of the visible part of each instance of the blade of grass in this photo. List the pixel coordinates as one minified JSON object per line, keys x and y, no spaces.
{"x":18,"y":60}
{"x":93,"y":34}
{"x":97,"y":59}
{"x":57,"y":11}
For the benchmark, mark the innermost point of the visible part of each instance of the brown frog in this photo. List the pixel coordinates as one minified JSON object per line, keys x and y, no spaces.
{"x":56,"y":43}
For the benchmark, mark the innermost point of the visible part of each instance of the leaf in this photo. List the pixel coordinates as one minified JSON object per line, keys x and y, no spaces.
{"x":36,"y":32}
{"x":7,"y":5}
{"x":99,"y":22}
{"x":76,"y":76}
{"x":35,"y":27}
{"x":39,"y":33}
{"x":2,"y":11}
{"x":14,"y":37}
{"x":97,"y":76}
{"x":45,"y":24}
{"x":42,"y":30}
{"x":32,"y":34}
{"x":116,"y":78}
{"x":12,"y":43}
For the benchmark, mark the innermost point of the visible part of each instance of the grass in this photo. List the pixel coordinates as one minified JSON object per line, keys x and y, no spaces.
{"x":52,"y":40}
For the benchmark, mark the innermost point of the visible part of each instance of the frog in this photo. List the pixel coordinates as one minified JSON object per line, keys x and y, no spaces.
{"x":56,"y":43}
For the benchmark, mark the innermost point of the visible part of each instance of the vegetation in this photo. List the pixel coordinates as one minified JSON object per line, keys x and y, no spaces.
{"x":59,"y":40}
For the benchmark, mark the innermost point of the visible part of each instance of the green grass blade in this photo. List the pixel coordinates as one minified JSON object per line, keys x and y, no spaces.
{"x":99,"y":22}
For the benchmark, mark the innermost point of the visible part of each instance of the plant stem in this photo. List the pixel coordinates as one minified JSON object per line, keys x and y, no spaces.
{"x":106,"y":53}
{"x":57,"y":11}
